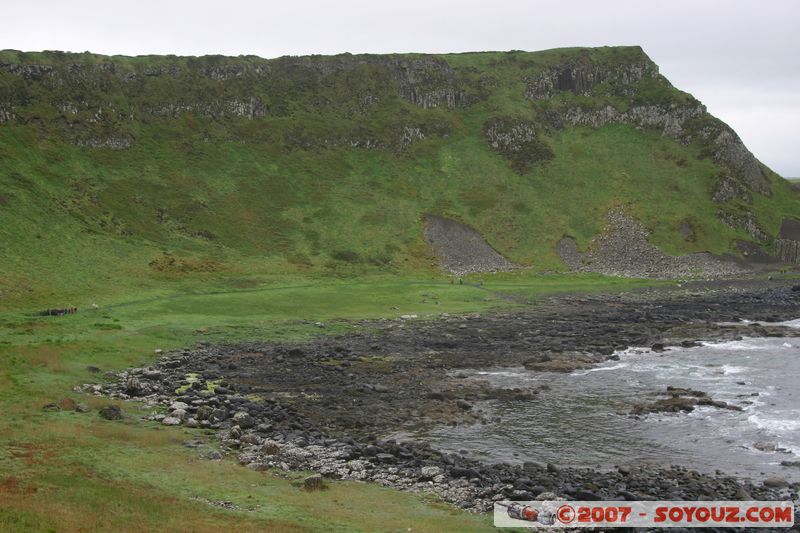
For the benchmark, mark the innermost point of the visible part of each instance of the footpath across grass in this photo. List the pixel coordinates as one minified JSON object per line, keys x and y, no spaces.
{"x":69,"y":471}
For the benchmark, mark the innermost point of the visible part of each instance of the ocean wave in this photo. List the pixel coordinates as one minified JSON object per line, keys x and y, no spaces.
{"x":747,"y":344}
{"x":775,"y":425}
{"x":733,"y":369}
{"x":789,"y":323}
{"x":599,"y":369}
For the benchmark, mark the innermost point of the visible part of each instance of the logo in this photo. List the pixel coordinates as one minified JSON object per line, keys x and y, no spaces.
{"x":648,"y":514}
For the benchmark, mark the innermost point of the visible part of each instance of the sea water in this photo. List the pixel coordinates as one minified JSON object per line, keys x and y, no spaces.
{"x":583,"y":418}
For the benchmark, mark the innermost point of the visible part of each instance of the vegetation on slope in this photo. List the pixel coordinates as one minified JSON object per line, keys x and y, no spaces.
{"x":119,"y":172}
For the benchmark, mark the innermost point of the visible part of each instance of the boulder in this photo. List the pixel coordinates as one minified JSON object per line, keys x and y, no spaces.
{"x":243,"y":420}
{"x":314,"y":482}
{"x":463,"y":404}
{"x":429,"y":472}
{"x":111,"y":412}
{"x":775,"y":482}
{"x":218,"y":415}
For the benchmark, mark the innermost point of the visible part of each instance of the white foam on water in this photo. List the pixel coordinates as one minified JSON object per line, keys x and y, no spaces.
{"x":706,"y":436}
{"x":733,"y":369}
{"x":789,"y":323}
{"x":633,"y":351}
{"x":745,"y":344}
{"x":599,"y":369}
{"x":774,"y":425}
{"x":790,"y":448}
{"x":502,"y":373}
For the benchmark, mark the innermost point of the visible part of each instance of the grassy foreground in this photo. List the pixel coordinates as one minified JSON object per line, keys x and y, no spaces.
{"x":69,"y":471}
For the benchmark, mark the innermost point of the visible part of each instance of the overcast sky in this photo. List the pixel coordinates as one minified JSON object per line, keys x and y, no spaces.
{"x":739,"y":57}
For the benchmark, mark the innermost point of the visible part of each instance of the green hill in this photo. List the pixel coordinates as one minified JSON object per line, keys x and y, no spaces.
{"x":122,"y":173}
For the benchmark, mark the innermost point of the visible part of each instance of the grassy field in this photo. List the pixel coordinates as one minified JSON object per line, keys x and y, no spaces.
{"x":68,"y":471}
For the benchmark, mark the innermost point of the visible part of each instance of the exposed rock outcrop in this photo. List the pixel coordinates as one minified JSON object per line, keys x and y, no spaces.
{"x":745,"y":221}
{"x":6,"y":116}
{"x":788,"y":251}
{"x":583,"y":77}
{"x":787,"y":245}
{"x":428,"y":82}
{"x":112,"y":142}
{"x":671,"y":119}
{"x":730,"y":152}
{"x":516,"y":140}
{"x":730,"y":189}
{"x":410,"y":135}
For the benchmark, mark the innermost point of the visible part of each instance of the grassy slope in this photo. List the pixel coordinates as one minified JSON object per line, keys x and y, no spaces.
{"x":79,"y":225}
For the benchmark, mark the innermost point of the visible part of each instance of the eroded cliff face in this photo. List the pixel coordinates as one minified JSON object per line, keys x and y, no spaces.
{"x":101,"y":105}
{"x":582,"y":77}
{"x":517,"y":141}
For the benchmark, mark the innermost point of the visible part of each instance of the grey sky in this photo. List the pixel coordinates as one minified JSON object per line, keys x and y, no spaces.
{"x":741,"y":58}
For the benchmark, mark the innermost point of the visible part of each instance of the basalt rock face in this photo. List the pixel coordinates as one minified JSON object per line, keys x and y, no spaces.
{"x":669,"y":119}
{"x":745,"y":221}
{"x":787,"y":245}
{"x":582,"y":77}
{"x":74,"y":95}
{"x":516,"y":140}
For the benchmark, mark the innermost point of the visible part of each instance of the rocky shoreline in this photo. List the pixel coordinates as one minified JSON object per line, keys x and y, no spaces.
{"x":326,"y":405}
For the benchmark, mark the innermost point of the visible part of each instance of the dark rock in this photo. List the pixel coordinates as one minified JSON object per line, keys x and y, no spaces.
{"x":314,"y":482}
{"x":371,"y":450}
{"x":533,"y":467}
{"x":469,"y":473}
{"x":463,"y":404}
{"x":587,"y":496}
{"x":218,"y":415}
{"x":243,"y":420}
{"x":111,"y":412}
{"x":203,"y":412}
